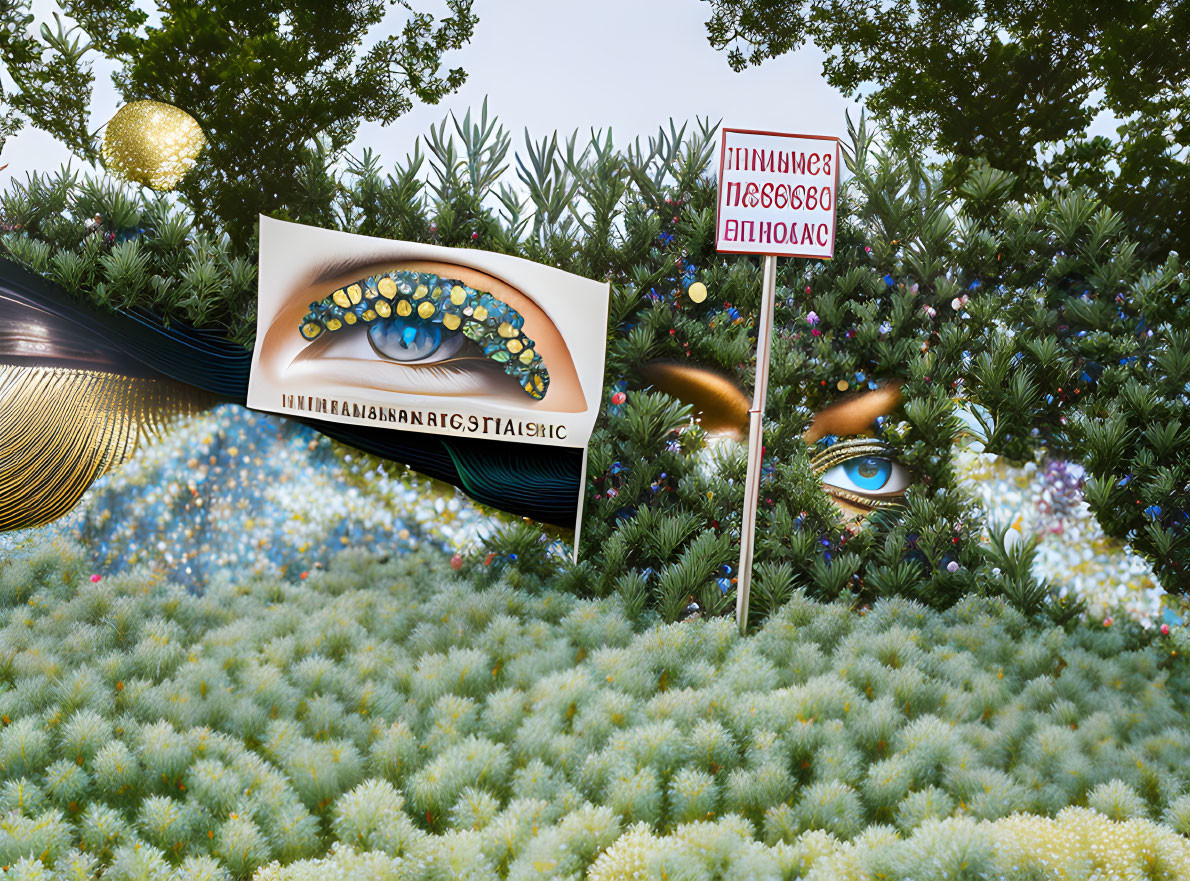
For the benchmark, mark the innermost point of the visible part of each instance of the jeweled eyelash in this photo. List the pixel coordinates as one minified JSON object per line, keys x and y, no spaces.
{"x":843,"y":450}
{"x":491,"y":324}
{"x":866,"y":501}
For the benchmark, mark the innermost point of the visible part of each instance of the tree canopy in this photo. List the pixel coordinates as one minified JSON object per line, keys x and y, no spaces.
{"x":275,"y":84}
{"x":1015,"y":83}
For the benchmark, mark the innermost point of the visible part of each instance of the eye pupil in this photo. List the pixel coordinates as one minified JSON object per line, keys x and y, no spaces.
{"x":869,"y":468}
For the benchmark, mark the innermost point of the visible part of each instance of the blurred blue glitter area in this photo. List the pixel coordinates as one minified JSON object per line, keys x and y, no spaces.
{"x":235,"y":492}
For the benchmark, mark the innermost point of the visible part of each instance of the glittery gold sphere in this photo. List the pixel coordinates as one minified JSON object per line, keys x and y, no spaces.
{"x":697,"y":292}
{"x":151,"y":143}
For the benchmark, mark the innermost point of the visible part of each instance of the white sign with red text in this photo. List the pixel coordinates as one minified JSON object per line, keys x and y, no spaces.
{"x":777,"y":194}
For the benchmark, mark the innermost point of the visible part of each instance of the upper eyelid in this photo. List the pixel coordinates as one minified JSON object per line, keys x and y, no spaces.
{"x":334,"y":268}
{"x":847,"y":448}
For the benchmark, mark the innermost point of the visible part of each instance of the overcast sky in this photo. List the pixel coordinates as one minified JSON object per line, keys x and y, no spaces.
{"x":551,"y":65}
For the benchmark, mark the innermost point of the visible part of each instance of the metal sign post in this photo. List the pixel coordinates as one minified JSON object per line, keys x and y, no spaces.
{"x":764,"y":339}
{"x":776,"y":198}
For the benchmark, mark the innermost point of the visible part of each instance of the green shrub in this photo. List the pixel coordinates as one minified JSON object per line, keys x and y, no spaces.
{"x":533,"y":748}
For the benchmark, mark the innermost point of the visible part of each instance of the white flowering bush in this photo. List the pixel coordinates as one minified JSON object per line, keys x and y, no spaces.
{"x":388,"y":720}
{"x":1079,"y":843}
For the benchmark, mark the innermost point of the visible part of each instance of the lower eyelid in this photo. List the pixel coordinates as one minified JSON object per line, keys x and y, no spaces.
{"x":457,"y":375}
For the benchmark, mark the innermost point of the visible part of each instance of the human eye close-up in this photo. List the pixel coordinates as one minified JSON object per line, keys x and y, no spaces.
{"x":422,"y":319}
{"x":861,"y":472}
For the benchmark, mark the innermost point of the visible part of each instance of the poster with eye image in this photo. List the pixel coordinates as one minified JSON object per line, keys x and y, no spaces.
{"x":489,"y":366}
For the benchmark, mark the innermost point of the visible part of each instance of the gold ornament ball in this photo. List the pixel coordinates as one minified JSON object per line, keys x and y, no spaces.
{"x":697,"y":292}
{"x":151,"y":143}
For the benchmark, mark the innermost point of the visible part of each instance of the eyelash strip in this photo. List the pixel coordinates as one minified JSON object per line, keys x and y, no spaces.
{"x":842,"y":451}
{"x":491,"y":324}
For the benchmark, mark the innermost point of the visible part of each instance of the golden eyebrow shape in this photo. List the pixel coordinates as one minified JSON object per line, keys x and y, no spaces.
{"x":489,"y":322}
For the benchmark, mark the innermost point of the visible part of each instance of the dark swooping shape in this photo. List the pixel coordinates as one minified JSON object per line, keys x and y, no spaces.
{"x":527,"y":480}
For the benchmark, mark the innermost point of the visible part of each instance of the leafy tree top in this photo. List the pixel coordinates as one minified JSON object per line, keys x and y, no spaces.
{"x":262,"y":78}
{"x":1006,"y":81}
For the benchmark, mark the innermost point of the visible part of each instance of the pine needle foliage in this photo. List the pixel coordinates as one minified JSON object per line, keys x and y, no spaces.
{"x":1038,"y":320}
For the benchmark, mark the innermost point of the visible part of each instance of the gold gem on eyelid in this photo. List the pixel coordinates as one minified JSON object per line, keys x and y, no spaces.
{"x":384,"y":309}
{"x":458,"y":295}
{"x":480,"y":313}
{"x":450,"y":321}
{"x":426,"y":309}
{"x":349,"y":317}
{"x":404,"y":308}
{"x":421,"y":291}
{"x":506,"y":330}
{"x":355,"y":293}
{"x":514,"y":346}
{"x":526,"y":356}
{"x":340,"y":298}
{"x":387,"y":288}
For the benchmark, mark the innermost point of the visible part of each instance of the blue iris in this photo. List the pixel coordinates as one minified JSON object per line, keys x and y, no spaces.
{"x":868,"y":472}
{"x":405,"y":340}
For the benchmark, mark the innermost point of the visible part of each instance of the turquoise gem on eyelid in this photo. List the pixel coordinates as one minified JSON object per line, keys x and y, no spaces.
{"x":868,"y":472}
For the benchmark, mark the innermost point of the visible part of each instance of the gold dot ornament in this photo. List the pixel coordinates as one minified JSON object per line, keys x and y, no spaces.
{"x":697,"y":292}
{"x":151,"y":143}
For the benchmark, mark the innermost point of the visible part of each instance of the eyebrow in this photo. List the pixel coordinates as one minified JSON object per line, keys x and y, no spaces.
{"x":854,"y":413}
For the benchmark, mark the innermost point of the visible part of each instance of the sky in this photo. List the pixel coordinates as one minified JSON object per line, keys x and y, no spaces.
{"x":547,"y":65}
